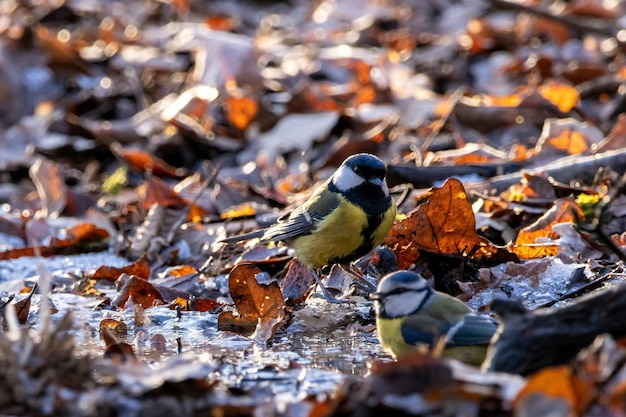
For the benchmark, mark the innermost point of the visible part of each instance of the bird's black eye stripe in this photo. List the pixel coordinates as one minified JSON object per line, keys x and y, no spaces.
{"x":401,"y":290}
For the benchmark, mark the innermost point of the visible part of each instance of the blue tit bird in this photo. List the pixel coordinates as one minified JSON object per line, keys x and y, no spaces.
{"x":344,"y":219}
{"x":411,"y":316}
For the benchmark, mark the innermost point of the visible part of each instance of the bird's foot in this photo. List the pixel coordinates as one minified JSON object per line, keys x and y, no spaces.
{"x":325,"y":294}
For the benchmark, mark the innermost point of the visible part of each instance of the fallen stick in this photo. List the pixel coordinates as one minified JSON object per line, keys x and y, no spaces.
{"x":528,"y":341}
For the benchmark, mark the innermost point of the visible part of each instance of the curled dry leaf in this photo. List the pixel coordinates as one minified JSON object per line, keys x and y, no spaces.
{"x":563,"y":210}
{"x":445,"y":224}
{"x":22,"y":307}
{"x":142,"y":292}
{"x":260,"y":307}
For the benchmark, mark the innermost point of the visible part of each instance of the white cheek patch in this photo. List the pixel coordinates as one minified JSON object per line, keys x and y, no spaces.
{"x":401,"y":305}
{"x":345,"y":179}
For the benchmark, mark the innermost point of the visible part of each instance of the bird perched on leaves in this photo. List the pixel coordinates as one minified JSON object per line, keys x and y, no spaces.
{"x":344,"y":219}
{"x":411,"y":316}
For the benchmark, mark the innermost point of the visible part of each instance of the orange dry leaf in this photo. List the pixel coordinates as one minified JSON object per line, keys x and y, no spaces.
{"x":563,"y":210}
{"x":243,"y":210}
{"x":141,"y":268}
{"x":182,"y":270}
{"x":572,"y":142}
{"x":220,"y":22}
{"x":557,"y":382}
{"x":260,"y":307}
{"x":505,"y":101}
{"x":445,"y":224}
{"x":240,"y":111}
{"x":562,"y":95}
{"x":534,"y":251}
{"x":143,"y":161}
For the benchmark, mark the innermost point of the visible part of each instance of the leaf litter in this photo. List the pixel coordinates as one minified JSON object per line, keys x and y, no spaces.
{"x":502,"y":127}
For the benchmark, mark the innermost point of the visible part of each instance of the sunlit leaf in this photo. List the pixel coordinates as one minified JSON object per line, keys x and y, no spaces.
{"x":243,"y":210}
{"x":143,"y":161}
{"x":535,"y":251}
{"x":572,"y":142}
{"x":118,"y":327}
{"x":445,"y":224}
{"x":260,"y":307}
{"x":563,"y":210}
{"x":241,"y":111}
{"x":564,"y":96}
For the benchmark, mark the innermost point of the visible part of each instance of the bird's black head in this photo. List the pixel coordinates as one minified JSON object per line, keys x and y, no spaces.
{"x":366,"y":166}
{"x":360,"y":170}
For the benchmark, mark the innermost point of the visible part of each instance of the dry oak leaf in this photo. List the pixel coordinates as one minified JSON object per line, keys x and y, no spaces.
{"x":260,"y":307}
{"x":445,"y":224}
{"x":563,"y":210}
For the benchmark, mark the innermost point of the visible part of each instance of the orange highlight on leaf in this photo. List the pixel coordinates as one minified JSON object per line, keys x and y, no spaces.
{"x":564,"y":96}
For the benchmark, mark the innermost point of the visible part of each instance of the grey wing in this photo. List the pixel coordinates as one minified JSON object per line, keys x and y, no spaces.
{"x":304,"y":220}
{"x":474,"y":329}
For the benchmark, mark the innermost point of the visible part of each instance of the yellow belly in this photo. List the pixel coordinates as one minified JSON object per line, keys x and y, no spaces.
{"x":390,"y":335}
{"x":338,"y":236}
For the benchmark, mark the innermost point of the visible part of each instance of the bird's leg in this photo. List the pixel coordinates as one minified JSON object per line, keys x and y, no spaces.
{"x":327,"y":295}
{"x":351,"y":269}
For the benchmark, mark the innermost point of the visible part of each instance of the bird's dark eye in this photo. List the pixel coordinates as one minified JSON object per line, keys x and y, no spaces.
{"x":357,"y":170}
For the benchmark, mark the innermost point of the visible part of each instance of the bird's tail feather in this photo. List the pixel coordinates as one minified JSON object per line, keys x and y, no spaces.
{"x":245,"y":236}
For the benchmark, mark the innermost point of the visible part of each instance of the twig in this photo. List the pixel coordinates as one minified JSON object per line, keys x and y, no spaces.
{"x":452,"y":102}
{"x":183,"y":216}
{"x":597,"y":26}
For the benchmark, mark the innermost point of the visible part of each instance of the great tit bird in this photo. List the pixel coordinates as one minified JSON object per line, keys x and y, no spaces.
{"x":344,"y":219}
{"x":411,"y":316}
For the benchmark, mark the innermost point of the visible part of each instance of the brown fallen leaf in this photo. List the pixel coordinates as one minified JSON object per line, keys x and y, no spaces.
{"x":260,"y":307}
{"x":445,"y":224}
{"x":141,"y":291}
{"x":83,"y":238}
{"x":159,"y":192}
{"x":115,"y":349}
{"x":141,"y":268}
{"x":143,"y":161}
{"x":297,"y":283}
{"x":563,"y":210}
{"x":22,"y":307}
